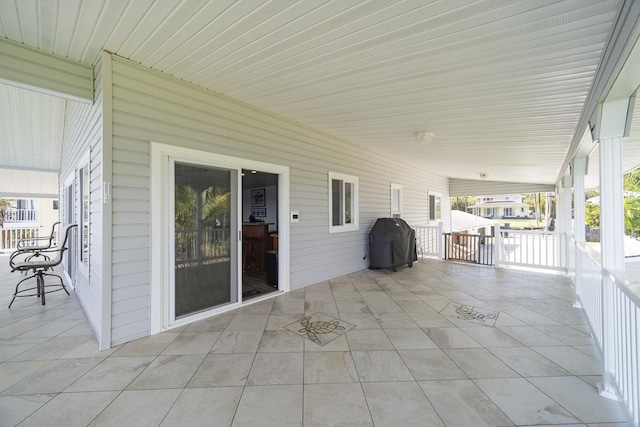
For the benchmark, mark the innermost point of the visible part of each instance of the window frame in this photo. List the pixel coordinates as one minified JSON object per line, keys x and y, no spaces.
{"x":436,"y":214}
{"x":354,"y":225}
{"x":84,"y":214}
{"x":397,"y":211}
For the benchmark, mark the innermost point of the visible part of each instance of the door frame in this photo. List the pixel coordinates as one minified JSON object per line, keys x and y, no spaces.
{"x":70,"y":255}
{"x":159,"y":216}
{"x":170,"y":233}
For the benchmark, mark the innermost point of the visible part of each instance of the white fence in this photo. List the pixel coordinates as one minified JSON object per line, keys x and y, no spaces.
{"x":9,"y":237}
{"x":588,"y":284}
{"x":523,"y":248}
{"x":536,"y":249}
{"x":21,"y":215}
{"x":429,"y":241}
{"x":613,"y":311}
{"x":197,"y":246}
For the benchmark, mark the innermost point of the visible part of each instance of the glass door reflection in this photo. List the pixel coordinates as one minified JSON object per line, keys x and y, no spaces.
{"x":204,"y":221}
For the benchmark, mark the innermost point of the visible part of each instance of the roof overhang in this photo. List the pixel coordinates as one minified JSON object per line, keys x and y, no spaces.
{"x":28,"y":68}
{"x":21,"y":183}
{"x":461,"y":221}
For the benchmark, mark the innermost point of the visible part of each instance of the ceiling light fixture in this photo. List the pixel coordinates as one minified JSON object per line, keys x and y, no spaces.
{"x":254,"y":172}
{"x":484,"y":175}
{"x":424,"y":137}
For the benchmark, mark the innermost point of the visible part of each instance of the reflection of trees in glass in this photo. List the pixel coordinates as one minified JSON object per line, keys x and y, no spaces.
{"x":3,"y":210}
{"x":216,"y":207}
{"x":185,"y":208}
{"x":202,"y":223}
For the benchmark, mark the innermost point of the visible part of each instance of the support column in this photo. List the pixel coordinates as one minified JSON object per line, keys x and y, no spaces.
{"x":612,"y":124}
{"x":578,"y":171}
{"x":563,"y":206}
{"x":613,"y":117}
{"x":563,"y":218}
{"x":612,"y":206}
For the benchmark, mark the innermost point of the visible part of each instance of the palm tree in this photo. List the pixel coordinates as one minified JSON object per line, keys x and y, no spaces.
{"x":184,"y":207}
{"x":3,"y":210}
{"x":216,"y":207}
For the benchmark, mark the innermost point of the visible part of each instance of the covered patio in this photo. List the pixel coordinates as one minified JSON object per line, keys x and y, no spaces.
{"x":362,"y":109}
{"x":516,"y":352}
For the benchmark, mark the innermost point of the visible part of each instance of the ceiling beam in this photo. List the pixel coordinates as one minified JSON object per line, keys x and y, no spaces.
{"x":33,"y":69}
{"x":16,"y":183}
{"x":470,"y":187}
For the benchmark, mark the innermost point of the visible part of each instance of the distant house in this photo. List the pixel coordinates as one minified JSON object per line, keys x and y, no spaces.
{"x":27,"y":218}
{"x":501,"y":206}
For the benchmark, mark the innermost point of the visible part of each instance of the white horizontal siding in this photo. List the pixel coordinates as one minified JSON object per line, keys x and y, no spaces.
{"x":33,"y":69}
{"x":82,"y":136}
{"x":148,"y":106}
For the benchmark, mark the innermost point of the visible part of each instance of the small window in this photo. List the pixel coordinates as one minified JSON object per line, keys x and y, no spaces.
{"x":435,"y":207}
{"x":343,"y":203}
{"x":396,"y":200}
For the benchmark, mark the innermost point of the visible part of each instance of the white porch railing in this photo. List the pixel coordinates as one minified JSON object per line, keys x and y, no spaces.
{"x":21,"y":215}
{"x":613,"y":311}
{"x":9,"y":237}
{"x":536,"y":249}
{"x":197,"y":246}
{"x":429,"y":241}
{"x":523,"y":248}
{"x":587,"y":278}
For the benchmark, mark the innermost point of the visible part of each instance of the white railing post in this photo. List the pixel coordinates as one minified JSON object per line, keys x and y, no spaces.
{"x":497,"y":245}
{"x":440,"y":241}
{"x":563,"y":220}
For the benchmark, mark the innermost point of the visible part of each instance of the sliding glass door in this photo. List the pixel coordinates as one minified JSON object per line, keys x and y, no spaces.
{"x":204,"y":237}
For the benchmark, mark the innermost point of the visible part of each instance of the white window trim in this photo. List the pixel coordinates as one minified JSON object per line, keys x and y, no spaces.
{"x":397,"y":210}
{"x":439,"y":195}
{"x":355,"y":224}
{"x":83,"y":267}
{"x":62,"y":216}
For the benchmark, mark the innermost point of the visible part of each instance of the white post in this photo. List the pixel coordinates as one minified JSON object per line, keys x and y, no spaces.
{"x":578,"y":171}
{"x":547,"y":210}
{"x":560,"y":196}
{"x":612,"y":206}
{"x":563,"y":218}
{"x":613,"y":117}
{"x":440,"y":241}
{"x":497,"y":246}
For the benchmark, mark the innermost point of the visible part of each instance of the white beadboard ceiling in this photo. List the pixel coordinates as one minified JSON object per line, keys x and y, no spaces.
{"x":501,"y":83}
{"x":31,"y":126}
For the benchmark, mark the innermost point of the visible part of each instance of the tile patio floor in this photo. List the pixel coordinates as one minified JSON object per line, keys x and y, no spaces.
{"x":403,"y":364}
